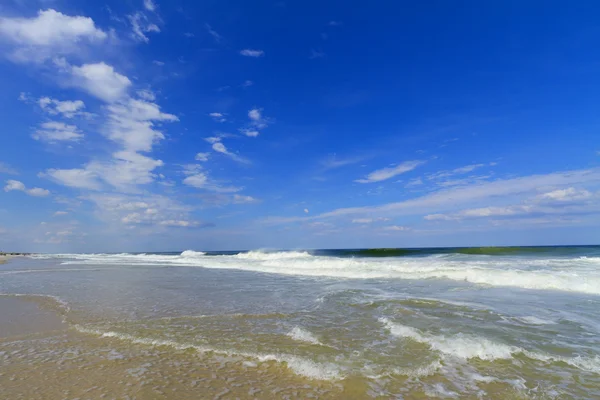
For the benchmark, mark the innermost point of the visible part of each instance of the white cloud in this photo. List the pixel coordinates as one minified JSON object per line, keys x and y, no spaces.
{"x":369,"y":220}
{"x":159,"y":63}
{"x":558,"y":201}
{"x":247,"y":83}
{"x":566,"y":195}
{"x":218,"y":38}
{"x":396,"y":228}
{"x":146,"y":94}
{"x":334,"y":23}
{"x":38,"y":192}
{"x":213,"y":139}
{"x":75,"y":178}
{"x":50,"y":28}
{"x":255,"y":115}
{"x":250,"y":132}
{"x":140,"y":26}
{"x":439,"y":176}
{"x":57,"y":132}
{"x":179,"y":223}
{"x":60,"y":213}
{"x":467,"y":168}
{"x":507,"y":190}
{"x":131,"y":124}
{"x":387,"y":173}
{"x":146,"y":209}
{"x":333,"y":161}
{"x":198,"y":179}
{"x":257,"y":122}
{"x":219,"y":147}
{"x":414,"y":182}
{"x":100,"y":80}
{"x":480,"y":213}
{"x":240,"y":199}
{"x":7,"y":169}
{"x":149,"y":5}
{"x":67,"y":108}
{"x":219,"y":117}
{"x":12,"y":185}
{"x":126,"y":170}
{"x":252,"y":53}
{"x":202,"y":156}
{"x":306,"y":211}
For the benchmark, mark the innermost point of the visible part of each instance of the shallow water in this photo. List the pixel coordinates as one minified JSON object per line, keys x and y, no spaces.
{"x":516,"y":324}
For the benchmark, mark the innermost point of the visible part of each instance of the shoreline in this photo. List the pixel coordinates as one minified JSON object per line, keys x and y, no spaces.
{"x":5,"y":257}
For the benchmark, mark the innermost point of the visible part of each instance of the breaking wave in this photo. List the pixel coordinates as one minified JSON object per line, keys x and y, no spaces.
{"x":466,"y":347}
{"x":579,"y":274}
{"x":299,"y":365}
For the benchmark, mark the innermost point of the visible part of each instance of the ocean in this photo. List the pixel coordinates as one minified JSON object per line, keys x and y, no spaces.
{"x":491,"y":323}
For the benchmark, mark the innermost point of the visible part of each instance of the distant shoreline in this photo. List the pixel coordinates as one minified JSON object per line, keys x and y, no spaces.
{"x":4,"y":257}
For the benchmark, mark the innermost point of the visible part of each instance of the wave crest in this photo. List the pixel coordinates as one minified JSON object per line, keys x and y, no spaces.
{"x":192,"y":254}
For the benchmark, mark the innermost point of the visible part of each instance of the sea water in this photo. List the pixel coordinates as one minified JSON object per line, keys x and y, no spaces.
{"x":374,"y":323}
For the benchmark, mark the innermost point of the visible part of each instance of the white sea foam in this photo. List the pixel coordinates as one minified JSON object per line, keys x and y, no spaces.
{"x":468,"y":346}
{"x":265,"y":256}
{"x":460,"y":345}
{"x":418,"y":372}
{"x":302,"y":335}
{"x":564,"y":274}
{"x":533,"y":320}
{"x":299,"y":365}
{"x":192,"y":254}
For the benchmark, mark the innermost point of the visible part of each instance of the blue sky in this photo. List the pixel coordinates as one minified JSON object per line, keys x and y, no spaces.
{"x":157,"y":126}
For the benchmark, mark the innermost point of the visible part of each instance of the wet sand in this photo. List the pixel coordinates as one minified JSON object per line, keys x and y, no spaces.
{"x":22,"y":317}
{"x":43,"y":357}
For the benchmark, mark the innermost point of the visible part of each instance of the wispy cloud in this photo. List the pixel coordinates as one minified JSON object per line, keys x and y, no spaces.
{"x":506,"y":190}
{"x":12,"y":185}
{"x":7,"y":169}
{"x":333,"y":161}
{"x":202,"y":156}
{"x":149,"y":5}
{"x":57,"y":132}
{"x":387,"y":173}
{"x":365,"y":221}
{"x":219,"y":147}
{"x":257,"y":123}
{"x":198,"y":178}
{"x":560,"y":201}
{"x":396,"y":228}
{"x":458,"y":171}
{"x":316,"y":54}
{"x":252,"y":53}
{"x":216,"y":36}
{"x":217,"y":116}
{"x":66,"y":108}
{"x":140,"y":25}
